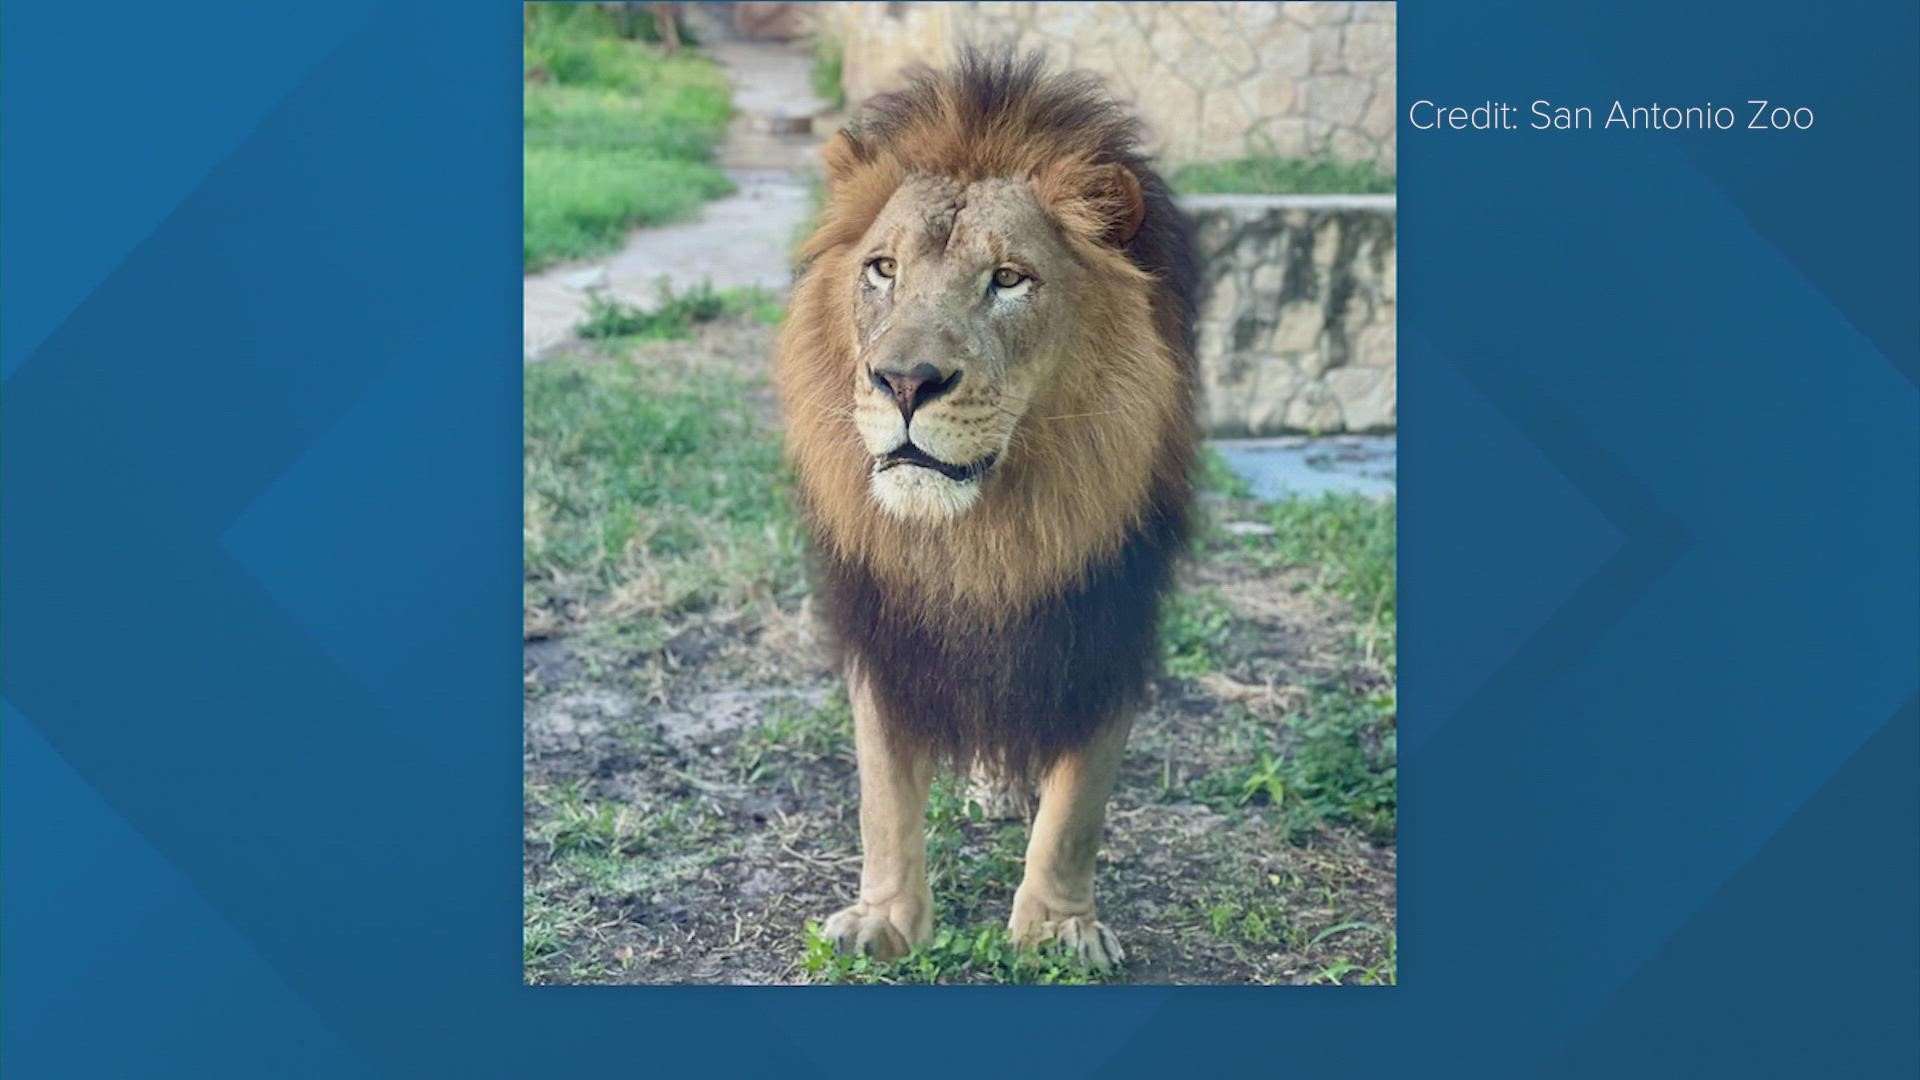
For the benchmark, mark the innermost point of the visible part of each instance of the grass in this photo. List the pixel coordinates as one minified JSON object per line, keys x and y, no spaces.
{"x":590,"y":850}
{"x":983,"y":955}
{"x":651,"y":492}
{"x":1385,"y":972}
{"x":1194,"y":632}
{"x":580,"y":42}
{"x":616,"y":135}
{"x":1280,"y":176}
{"x":1332,"y":758}
{"x":825,"y":75}
{"x":1262,"y":918}
{"x":674,"y":317}
{"x":973,"y":863}
{"x":791,"y":732}
{"x":1347,"y":543}
{"x":1218,"y":478}
{"x":580,"y":827}
{"x":548,"y":924}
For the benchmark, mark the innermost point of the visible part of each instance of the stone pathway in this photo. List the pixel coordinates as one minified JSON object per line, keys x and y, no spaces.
{"x":744,"y":239}
{"x":1297,"y":465}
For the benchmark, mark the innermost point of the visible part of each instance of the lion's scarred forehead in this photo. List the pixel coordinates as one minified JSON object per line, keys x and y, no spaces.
{"x":936,"y":215}
{"x":927,"y":206}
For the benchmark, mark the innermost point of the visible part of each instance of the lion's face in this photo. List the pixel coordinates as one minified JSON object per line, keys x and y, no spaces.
{"x":959,"y":293}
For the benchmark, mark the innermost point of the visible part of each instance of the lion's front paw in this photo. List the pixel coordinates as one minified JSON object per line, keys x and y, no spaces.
{"x":1084,"y":937}
{"x":882,"y":932}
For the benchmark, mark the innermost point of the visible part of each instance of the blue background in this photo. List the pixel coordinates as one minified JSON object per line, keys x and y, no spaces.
{"x":1660,"y":511}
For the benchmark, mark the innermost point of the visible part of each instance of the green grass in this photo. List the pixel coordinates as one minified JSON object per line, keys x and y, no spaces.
{"x":1280,"y":176}
{"x":580,"y":827}
{"x":597,"y":849}
{"x":1251,"y":922}
{"x":791,"y":732}
{"x":1218,"y":477}
{"x":633,"y":22}
{"x":1383,"y":973}
{"x":586,"y":44}
{"x":825,"y":75}
{"x":1334,"y":757}
{"x":1195,"y":628}
{"x":1334,"y":760}
{"x":548,"y":924}
{"x":616,"y":136}
{"x":1281,"y":910}
{"x":981,"y":955}
{"x":968,"y":882}
{"x":1347,"y":543}
{"x":651,"y":492}
{"x":677,"y":313}
{"x":1263,"y":921}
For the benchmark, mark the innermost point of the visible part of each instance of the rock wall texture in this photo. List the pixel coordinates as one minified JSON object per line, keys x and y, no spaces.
{"x":1297,"y":321}
{"x":1212,"y":80}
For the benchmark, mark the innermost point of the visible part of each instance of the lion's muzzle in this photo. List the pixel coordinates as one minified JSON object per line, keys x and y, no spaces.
{"x":913,"y":387}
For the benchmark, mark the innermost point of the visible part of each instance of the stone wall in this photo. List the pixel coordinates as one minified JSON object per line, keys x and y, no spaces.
{"x":1297,"y":321}
{"x":1212,"y":80}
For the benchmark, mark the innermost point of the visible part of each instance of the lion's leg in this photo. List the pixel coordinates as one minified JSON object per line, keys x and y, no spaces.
{"x":1055,"y":898}
{"x":895,"y":909}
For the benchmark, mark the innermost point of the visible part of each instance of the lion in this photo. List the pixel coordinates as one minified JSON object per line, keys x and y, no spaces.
{"x":987,"y":376}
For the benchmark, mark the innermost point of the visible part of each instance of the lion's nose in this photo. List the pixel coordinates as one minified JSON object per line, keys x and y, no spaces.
{"x":913,"y":388}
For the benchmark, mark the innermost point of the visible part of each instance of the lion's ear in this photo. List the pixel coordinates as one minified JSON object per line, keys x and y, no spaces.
{"x":1116,"y":192}
{"x":1102,"y":202}
{"x":843,"y":156}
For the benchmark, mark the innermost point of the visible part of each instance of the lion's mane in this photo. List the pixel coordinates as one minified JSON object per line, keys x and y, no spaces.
{"x":1014,"y":632}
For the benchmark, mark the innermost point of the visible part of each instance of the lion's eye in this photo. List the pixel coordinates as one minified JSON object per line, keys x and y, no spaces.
{"x":881,"y":270}
{"x":1007,"y":277}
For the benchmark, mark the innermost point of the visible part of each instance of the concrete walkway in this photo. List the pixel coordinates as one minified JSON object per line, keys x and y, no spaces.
{"x":771,"y":153}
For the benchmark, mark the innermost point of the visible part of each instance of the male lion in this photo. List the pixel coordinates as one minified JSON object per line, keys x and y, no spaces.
{"x":987,"y":377}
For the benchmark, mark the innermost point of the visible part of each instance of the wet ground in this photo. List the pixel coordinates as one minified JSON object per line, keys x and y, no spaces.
{"x":1297,"y":465}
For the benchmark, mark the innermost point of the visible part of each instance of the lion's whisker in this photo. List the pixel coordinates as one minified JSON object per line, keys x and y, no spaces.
{"x":1080,"y":415}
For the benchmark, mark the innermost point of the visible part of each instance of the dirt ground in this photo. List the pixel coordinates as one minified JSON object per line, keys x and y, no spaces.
{"x":691,"y":802}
